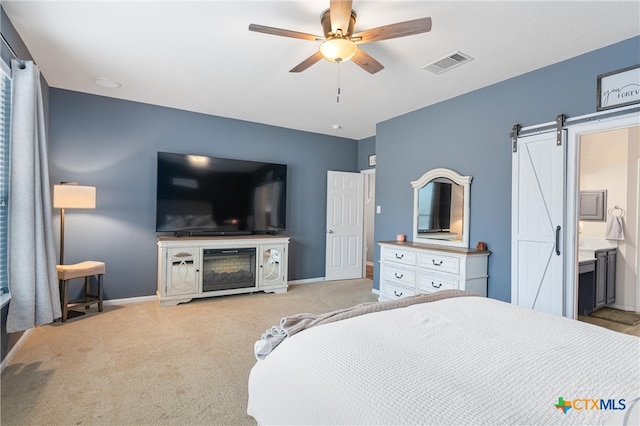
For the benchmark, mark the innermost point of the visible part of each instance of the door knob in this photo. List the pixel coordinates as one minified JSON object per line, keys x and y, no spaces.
{"x":331,"y":231}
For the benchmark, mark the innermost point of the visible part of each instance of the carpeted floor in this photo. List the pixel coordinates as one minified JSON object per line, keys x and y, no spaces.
{"x":140,"y":364}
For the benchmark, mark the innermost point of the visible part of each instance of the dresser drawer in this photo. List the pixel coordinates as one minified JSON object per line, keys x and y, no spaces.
{"x":411,"y":268}
{"x":399,"y":275}
{"x":392,"y":291}
{"x":432,"y":283}
{"x":438,"y":262}
{"x":405,"y":257}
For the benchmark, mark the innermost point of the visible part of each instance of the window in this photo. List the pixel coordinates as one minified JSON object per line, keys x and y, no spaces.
{"x":5,"y":111}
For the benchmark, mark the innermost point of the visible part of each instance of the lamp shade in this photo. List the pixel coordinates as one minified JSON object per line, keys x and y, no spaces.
{"x":74,"y":197}
{"x":338,"y":49}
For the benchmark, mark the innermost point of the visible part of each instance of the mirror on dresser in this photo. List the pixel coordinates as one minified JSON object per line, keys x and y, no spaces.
{"x":441,"y":208}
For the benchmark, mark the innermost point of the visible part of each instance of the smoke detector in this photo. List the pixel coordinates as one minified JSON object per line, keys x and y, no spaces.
{"x":450,"y":61}
{"x":106,"y":82}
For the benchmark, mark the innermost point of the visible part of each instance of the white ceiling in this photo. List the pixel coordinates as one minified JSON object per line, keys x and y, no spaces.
{"x":199,"y":55}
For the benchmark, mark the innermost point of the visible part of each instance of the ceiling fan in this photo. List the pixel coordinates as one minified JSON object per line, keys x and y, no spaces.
{"x":340,"y":44}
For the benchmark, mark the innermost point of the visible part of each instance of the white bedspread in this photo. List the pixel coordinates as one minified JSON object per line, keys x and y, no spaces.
{"x":467,"y":360}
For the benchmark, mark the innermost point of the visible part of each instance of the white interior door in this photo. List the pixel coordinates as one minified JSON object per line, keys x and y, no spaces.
{"x":344,"y":233}
{"x":537,"y":225}
{"x":369,"y":207}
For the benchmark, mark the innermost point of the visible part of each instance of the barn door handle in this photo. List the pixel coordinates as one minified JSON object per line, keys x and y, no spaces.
{"x":558,"y":228}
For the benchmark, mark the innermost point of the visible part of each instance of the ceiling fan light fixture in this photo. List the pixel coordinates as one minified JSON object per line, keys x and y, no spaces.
{"x":338,"y":49}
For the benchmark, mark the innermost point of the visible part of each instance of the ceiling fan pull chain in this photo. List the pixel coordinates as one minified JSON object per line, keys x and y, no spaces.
{"x":338,"y":97}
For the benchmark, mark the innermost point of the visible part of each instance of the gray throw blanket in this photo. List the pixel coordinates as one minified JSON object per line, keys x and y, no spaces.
{"x":293,"y":324}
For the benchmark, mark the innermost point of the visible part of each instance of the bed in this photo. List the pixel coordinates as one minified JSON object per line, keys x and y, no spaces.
{"x":456,"y":360}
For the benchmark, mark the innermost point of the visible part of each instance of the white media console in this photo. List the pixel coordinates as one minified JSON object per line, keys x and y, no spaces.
{"x":195,"y":267}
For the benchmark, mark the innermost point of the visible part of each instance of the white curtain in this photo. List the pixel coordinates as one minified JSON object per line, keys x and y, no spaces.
{"x":33,"y":282}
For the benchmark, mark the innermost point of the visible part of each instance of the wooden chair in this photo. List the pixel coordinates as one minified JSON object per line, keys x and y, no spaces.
{"x":84,"y":270}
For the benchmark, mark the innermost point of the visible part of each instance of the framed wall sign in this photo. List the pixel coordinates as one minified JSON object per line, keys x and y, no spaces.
{"x":618,"y":88}
{"x":372,"y":160}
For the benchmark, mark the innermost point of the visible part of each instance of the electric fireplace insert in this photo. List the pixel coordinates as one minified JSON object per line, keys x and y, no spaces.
{"x":226,"y":269}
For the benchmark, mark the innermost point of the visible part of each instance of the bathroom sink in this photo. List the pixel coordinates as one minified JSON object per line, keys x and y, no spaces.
{"x":593,"y":244}
{"x":587,"y":247}
{"x":586,"y":254}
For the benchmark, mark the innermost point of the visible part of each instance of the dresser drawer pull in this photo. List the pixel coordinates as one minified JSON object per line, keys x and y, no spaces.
{"x":436,"y":263}
{"x":399,"y":256}
{"x":395,"y":292}
{"x":436,"y":286}
{"x":399,"y":276}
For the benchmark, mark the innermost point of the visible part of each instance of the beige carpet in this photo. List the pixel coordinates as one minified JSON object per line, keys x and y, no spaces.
{"x":140,"y":364}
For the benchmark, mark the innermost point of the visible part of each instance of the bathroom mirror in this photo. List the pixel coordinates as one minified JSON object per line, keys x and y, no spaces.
{"x":441,"y":208}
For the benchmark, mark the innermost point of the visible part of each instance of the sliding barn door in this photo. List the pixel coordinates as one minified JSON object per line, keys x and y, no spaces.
{"x":345,"y":228}
{"x":537,"y":225}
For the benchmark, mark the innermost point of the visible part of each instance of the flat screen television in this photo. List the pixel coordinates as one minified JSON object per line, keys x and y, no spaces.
{"x":202,"y":195}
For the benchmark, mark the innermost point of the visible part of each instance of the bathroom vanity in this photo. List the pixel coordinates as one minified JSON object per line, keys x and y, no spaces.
{"x":597,"y":276}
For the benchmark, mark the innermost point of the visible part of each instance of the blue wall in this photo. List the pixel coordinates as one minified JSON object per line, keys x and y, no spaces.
{"x":470,"y":134}
{"x":112,"y":144}
{"x":366,"y":147}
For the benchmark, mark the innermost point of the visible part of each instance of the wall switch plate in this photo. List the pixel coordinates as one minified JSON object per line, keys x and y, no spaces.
{"x":378,"y":209}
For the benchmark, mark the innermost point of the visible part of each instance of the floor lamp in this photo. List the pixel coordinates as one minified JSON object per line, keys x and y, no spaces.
{"x":70,"y":195}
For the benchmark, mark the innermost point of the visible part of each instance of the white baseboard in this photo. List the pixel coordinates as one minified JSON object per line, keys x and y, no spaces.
{"x":130,"y":300}
{"x":309,"y":280}
{"x":14,"y":349}
{"x":306,"y":281}
{"x":621,"y":307}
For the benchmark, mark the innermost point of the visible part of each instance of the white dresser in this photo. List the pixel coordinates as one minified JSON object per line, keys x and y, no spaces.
{"x":408,"y":268}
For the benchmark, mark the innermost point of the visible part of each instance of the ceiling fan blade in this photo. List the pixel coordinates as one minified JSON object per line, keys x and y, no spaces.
{"x":366,"y":62}
{"x":307,"y":62}
{"x":340,"y":12}
{"x":401,"y":29}
{"x":284,"y":33}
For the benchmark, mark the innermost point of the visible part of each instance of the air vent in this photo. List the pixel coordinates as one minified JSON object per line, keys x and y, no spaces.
{"x":448,"y":62}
